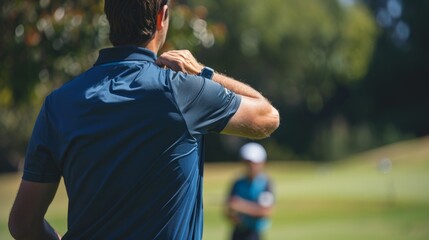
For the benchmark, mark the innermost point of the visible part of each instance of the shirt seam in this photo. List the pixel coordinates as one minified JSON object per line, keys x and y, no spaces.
{"x":221,"y":125}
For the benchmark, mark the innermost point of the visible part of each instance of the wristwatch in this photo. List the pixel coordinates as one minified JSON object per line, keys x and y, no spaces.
{"x":207,"y":72}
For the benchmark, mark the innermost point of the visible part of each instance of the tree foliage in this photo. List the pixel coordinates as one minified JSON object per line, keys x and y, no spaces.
{"x":47,"y":41}
{"x":296,"y":50}
{"x":43,"y":44}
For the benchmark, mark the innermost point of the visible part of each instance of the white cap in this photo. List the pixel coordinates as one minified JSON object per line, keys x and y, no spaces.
{"x":253,"y":152}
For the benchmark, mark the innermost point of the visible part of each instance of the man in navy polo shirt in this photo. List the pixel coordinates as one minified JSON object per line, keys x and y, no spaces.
{"x":127,"y":137}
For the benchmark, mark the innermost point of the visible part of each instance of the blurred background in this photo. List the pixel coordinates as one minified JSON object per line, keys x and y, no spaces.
{"x":349,"y":77}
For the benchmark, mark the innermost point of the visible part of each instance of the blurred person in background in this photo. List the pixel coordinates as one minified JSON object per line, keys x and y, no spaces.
{"x":127,"y":137}
{"x":251,"y":198}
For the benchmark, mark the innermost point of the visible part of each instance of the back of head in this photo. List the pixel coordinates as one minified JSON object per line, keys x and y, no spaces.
{"x":132,"y":22}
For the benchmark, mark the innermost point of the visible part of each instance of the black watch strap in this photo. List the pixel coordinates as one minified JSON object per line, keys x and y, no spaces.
{"x":207,"y":72}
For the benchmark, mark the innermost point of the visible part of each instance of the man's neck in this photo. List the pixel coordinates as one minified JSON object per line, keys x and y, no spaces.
{"x":152,"y":46}
{"x":155,"y":43}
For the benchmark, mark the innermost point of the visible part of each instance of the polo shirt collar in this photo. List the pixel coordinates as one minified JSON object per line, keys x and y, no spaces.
{"x":125,"y":53}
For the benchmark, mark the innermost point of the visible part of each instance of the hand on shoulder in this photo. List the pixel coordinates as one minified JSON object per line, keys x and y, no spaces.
{"x":181,"y":61}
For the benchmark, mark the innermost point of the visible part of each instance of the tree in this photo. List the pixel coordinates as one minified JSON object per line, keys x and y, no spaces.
{"x":43,"y":44}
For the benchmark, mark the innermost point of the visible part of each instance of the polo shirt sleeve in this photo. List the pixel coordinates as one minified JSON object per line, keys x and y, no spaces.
{"x":39,"y":162}
{"x":205,"y":105}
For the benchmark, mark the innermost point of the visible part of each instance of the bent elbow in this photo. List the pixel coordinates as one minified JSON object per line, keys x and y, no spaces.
{"x":275,"y":122}
{"x":257,"y":121}
{"x":268,"y":125}
{"x":14,"y":229}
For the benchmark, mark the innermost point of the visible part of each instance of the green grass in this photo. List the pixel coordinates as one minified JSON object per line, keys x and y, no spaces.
{"x":349,"y":199}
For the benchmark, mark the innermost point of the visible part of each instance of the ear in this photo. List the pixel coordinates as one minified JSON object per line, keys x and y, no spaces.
{"x":162,"y":17}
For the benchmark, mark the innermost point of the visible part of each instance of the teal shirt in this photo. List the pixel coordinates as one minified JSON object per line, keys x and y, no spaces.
{"x":255,"y":190}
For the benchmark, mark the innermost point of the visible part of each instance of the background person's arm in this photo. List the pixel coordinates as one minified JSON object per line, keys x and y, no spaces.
{"x":249,"y":208}
{"x":255,"y":118}
{"x":232,"y":215}
{"x":26,"y":220}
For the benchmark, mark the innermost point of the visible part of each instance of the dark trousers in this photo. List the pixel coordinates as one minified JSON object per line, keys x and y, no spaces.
{"x":245,"y":234}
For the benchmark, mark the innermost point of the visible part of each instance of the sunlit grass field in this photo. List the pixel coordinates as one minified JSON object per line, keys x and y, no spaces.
{"x":348,"y":199}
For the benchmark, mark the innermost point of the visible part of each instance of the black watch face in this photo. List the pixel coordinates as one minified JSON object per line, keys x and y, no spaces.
{"x":207,"y":73}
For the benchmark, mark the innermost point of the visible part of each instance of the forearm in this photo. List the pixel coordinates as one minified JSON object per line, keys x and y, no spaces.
{"x":35,"y":231}
{"x":232,"y":215}
{"x":254,"y":210}
{"x":256,"y":118}
{"x":257,"y":100}
{"x":237,"y":86}
{"x":183,"y":61}
{"x":250,"y":208}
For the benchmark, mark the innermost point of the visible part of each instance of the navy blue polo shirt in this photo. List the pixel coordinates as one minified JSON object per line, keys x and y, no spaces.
{"x":127,"y":137}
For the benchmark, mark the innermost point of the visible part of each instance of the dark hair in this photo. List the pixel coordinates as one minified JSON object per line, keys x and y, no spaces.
{"x":132,"y":22}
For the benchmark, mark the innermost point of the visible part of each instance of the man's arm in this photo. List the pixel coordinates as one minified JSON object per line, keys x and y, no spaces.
{"x":255,"y":118}
{"x":232,"y":215}
{"x":26,"y":220}
{"x":249,"y":208}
